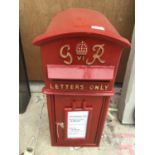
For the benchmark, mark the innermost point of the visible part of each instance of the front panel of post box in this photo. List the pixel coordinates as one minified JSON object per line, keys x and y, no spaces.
{"x":79,"y":116}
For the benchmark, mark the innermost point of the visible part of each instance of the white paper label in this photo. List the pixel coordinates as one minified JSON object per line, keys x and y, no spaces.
{"x":97,"y":27}
{"x":77,"y":124}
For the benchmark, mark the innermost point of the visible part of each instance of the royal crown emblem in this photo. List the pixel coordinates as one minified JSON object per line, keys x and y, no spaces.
{"x":81,"y":48}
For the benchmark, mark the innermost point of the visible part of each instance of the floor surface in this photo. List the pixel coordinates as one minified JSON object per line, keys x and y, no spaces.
{"x":117,"y":139}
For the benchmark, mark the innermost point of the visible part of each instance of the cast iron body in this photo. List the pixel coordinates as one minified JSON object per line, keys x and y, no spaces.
{"x":81,"y":51}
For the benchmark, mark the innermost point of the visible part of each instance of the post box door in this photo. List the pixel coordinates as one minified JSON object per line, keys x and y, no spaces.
{"x":77,"y":119}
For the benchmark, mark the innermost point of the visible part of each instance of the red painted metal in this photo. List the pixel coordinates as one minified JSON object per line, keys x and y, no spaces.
{"x":63,"y":72}
{"x":81,"y":51}
{"x":80,"y":20}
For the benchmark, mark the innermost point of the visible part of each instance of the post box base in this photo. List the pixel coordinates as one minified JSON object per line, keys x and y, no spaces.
{"x":60,"y":110}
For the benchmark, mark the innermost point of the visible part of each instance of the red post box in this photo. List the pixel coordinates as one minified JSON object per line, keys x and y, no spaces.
{"x":81,"y":51}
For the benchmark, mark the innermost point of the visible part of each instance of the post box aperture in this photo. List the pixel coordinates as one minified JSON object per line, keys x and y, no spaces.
{"x":81,"y":51}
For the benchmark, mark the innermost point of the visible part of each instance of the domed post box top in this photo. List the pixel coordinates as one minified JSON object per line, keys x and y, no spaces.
{"x":79,"y":21}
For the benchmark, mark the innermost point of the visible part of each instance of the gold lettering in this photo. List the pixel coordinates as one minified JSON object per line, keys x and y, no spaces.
{"x":51,"y":87}
{"x":67,"y":55}
{"x":66,"y":86}
{"x":81,"y":58}
{"x":71,"y":86}
{"x":91,"y":87}
{"x":78,"y":58}
{"x":77,"y":86}
{"x":56,"y":86}
{"x":97,"y":87}
{"x":106,"y":87}
{"x":81,"y":86}
{"x":99,"y":50}
{"x":61,"y":86}
{"x":101,"y":87}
